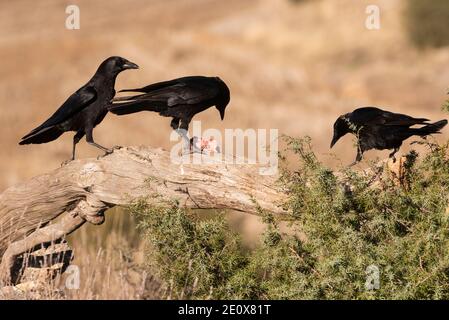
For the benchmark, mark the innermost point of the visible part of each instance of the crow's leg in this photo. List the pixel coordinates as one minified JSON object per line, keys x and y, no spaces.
{"x":358,"y":158}
{"x":182,"y":131}
{"x":90,"y":140}
{"x":186,"y":141}
{"x":189,"y":144}
{"x":391,"y":155}
{"x":175,"y":124}
{"x":76,"y":138}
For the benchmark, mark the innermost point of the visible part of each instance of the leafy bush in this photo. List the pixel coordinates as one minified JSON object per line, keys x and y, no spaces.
{"x":427,"y":22}
{"x":195,"y":258}
{"x":349,"y":224}
{"x":403,"y":231}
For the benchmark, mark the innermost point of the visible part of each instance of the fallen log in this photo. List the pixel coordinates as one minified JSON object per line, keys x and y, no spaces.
{"x":46,"y":208}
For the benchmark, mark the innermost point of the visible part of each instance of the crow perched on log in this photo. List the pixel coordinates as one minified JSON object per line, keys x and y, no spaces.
{"x":84,"y":109}
{"x":379,"y":129}
{"x":180,"y":99}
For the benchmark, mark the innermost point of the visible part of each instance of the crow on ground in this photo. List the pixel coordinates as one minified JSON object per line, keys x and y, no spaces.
{"x":379,"y":129}
{"x":180,"y":99}
{"x":84,"y":109}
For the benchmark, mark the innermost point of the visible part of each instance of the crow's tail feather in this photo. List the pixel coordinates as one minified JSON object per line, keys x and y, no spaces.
{"x":431,"y":128}
{"x":42,"y":136}
{"x":132,"y":90}
{"x":34,"y":131}
{"x":129,"y":98}
{"x":131,"y":107}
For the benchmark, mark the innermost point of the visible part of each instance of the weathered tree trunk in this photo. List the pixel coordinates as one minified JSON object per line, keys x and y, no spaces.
{"x":46,"y":208}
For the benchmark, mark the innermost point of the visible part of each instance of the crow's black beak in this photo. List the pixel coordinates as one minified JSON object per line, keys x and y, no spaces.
{"x":334,"y":140}
{"x":130,"y":65}
{"x":222,"y":114}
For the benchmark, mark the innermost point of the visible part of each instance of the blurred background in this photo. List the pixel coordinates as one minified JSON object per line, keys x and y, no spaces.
{"x":291,"y":65}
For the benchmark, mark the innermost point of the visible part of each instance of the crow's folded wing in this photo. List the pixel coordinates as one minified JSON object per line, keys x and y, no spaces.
{"x":376,"y":116}
{"x":74,"y":104}
{"x":183,"y":91}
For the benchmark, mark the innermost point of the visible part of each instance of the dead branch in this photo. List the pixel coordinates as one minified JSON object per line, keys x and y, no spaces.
{"x":82,"y":190}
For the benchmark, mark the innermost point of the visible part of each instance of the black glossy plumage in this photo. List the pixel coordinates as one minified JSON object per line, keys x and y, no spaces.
{"x":379,"y":129}
{"x":181,"y":99}
{"x":84,"y":109}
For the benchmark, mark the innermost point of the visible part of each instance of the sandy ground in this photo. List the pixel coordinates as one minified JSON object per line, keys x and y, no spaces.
{"x":294,"y":67}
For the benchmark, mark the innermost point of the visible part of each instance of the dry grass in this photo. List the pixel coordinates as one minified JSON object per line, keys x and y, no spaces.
{"x":110,"y":263}
{"x":109,"y":258}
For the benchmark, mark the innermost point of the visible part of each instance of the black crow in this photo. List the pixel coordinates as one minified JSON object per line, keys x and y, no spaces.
{"x":179,"y":99}
{"x":84,"y":109}
{"x":379,"y":129}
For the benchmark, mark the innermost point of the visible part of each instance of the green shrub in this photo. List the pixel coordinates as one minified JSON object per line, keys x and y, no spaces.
{"x":427,"y":22}
{"x":401,"y":230}
{"x":349,"y":225}
{"x":195,"y":258}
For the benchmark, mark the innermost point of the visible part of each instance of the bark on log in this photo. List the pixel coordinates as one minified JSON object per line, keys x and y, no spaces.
{"x":83,"y":189}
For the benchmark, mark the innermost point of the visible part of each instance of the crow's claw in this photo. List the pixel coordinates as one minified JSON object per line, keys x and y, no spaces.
{"x":66,"y":162}
{"x":195,"y":149}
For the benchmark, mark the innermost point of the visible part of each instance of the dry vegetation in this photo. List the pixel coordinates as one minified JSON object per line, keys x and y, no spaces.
{"x":110,"y":260}
{"x":292,"y":66}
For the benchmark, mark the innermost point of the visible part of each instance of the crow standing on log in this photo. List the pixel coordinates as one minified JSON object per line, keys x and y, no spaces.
{"x":84,"y":109}
{"x":180,"y":99}
{"x":379,"y":129}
